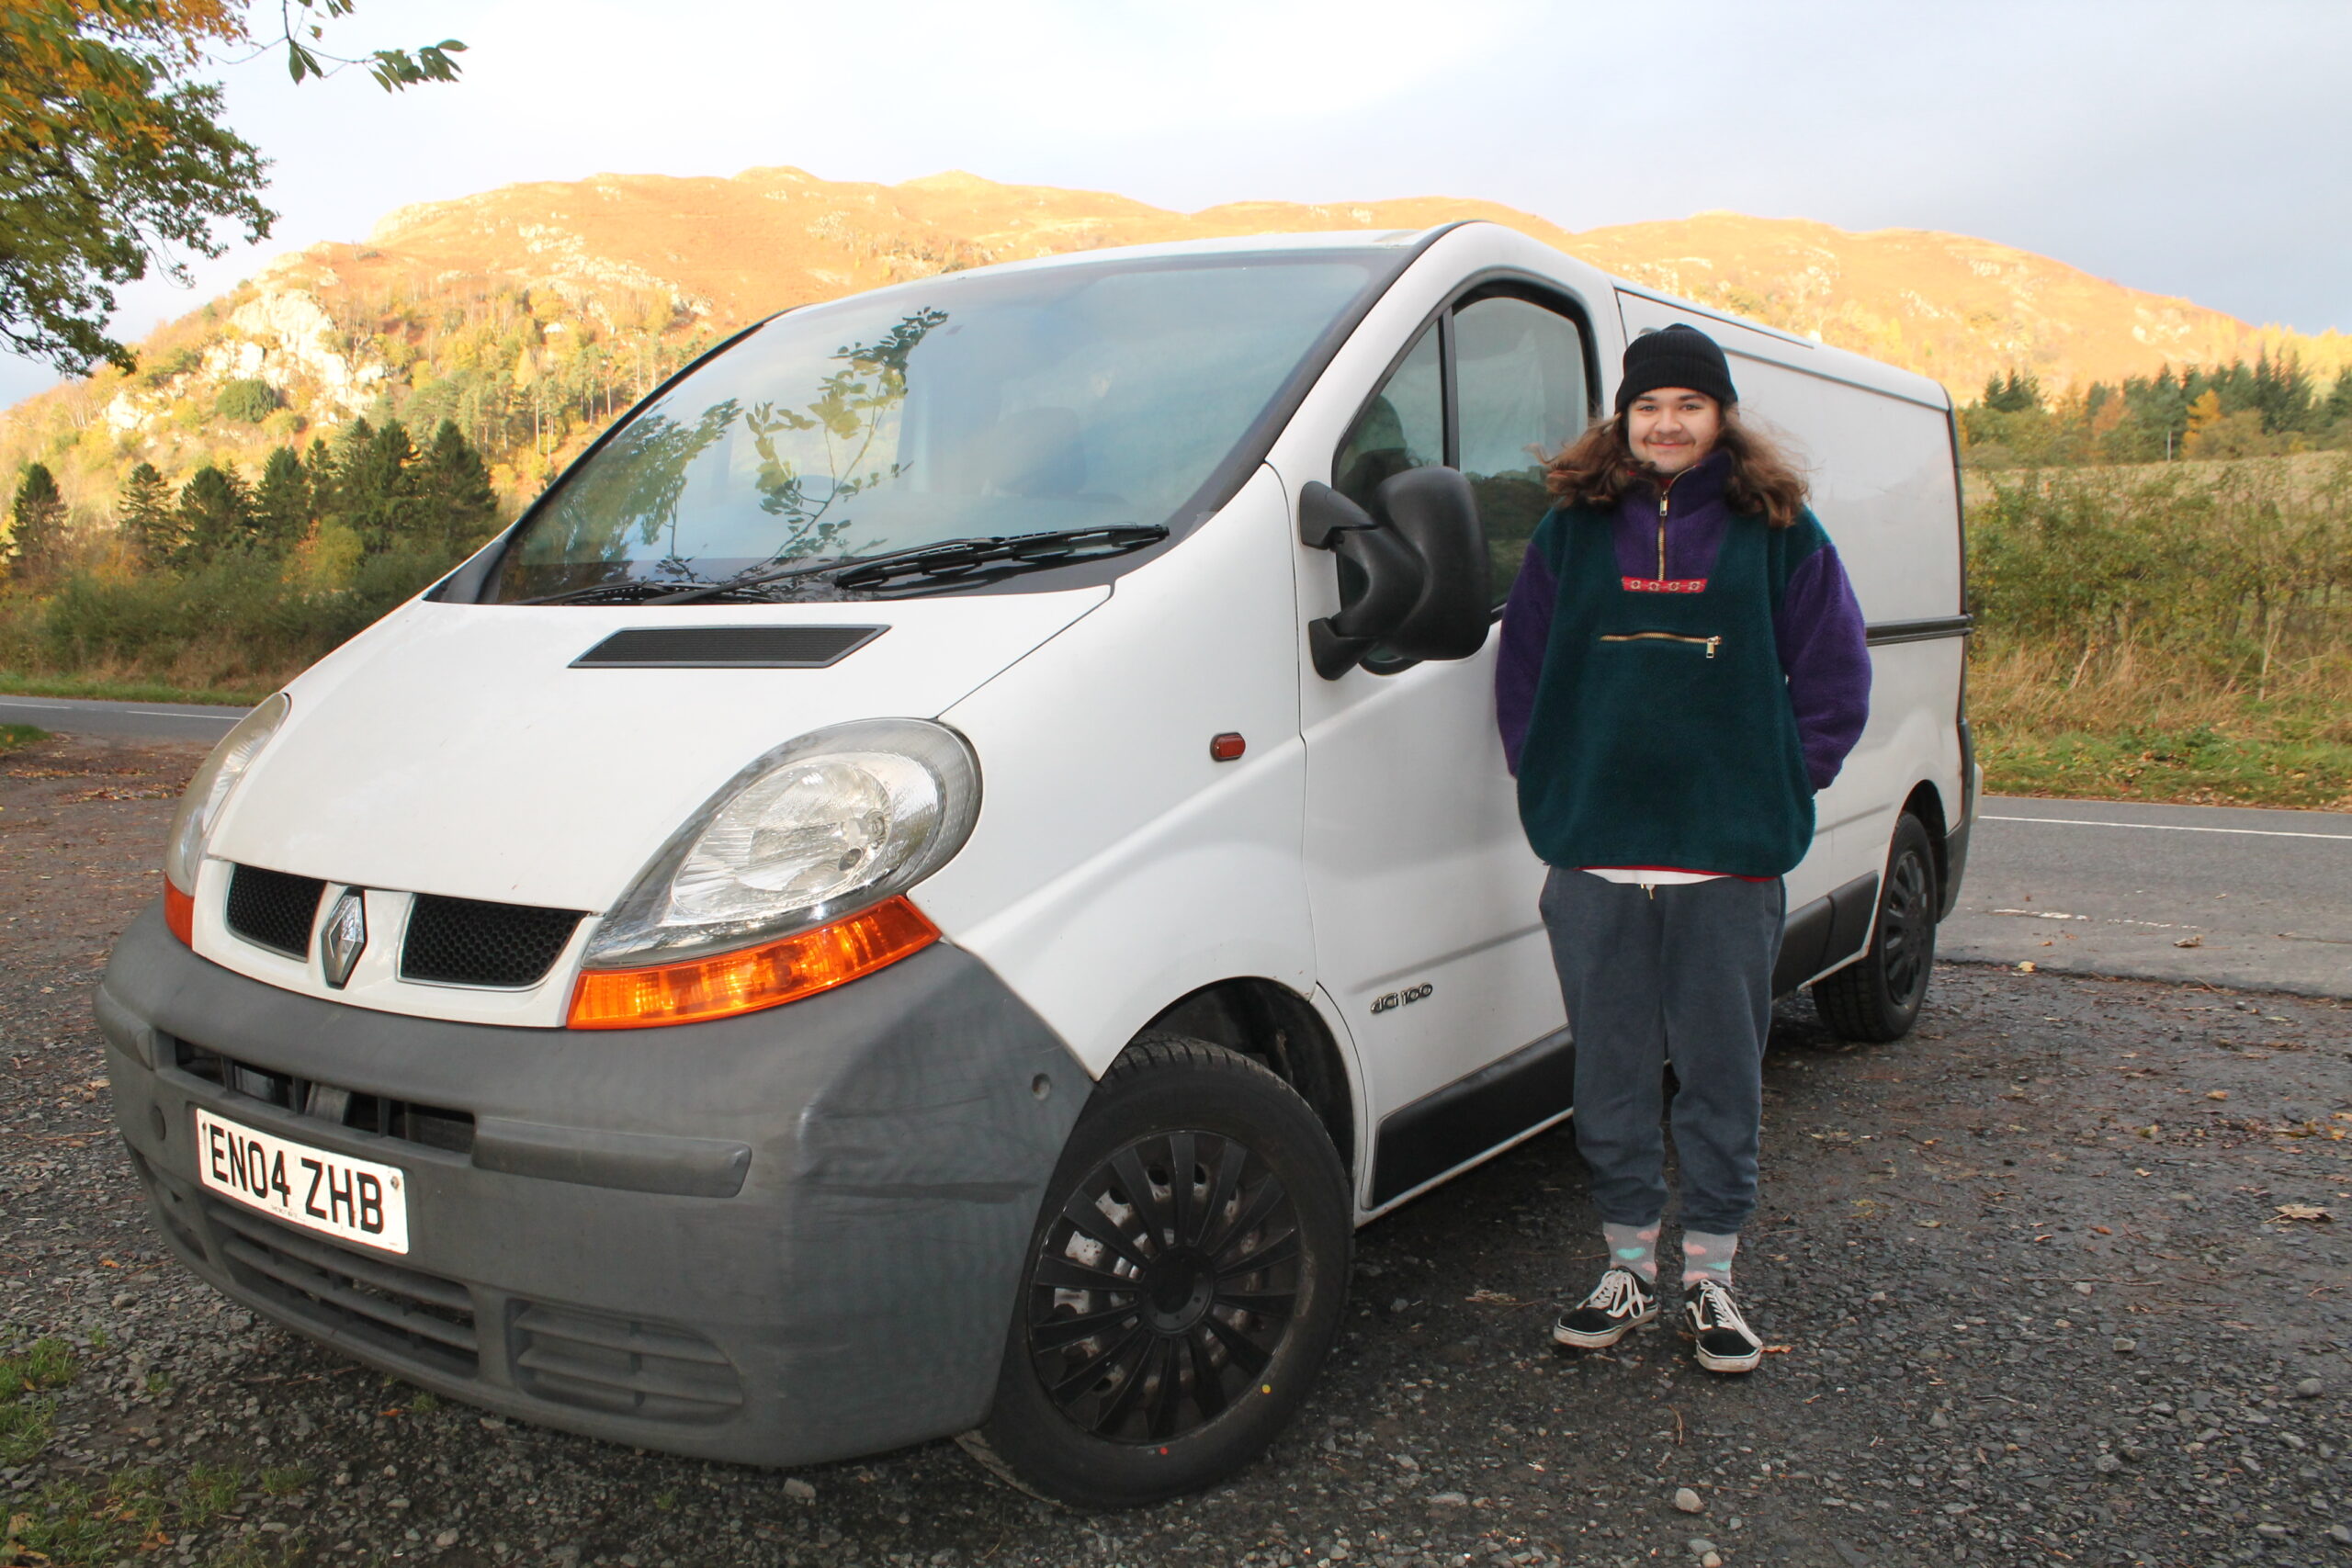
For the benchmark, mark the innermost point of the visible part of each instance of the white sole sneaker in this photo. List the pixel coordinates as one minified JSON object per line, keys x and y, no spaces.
{"x":1562,"y":1334}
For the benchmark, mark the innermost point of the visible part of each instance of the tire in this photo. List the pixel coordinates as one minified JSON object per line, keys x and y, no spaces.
{"x":1877,"y":996}
{"x":1159,"y":1343}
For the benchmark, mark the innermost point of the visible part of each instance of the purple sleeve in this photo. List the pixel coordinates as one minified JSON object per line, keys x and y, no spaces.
{"x":1827,"y":657}
{"x":1519,"y":662}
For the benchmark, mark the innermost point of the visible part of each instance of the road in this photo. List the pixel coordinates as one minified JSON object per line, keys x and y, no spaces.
{"x":2222,"y":894}
{"x":121,"y":721}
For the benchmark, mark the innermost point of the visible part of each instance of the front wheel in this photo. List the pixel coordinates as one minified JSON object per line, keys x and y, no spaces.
{"x":1877,"y":996}
{"x":1186,"y":1280}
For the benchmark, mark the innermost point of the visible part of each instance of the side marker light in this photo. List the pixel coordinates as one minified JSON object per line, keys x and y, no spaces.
{"x":179,"y":913}
{"x":1227,"y":747}
{"x":756,"y":977}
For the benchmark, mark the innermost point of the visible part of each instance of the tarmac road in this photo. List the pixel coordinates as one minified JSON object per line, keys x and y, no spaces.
{"x":2220,"y":895}
{"x":122,"y":721}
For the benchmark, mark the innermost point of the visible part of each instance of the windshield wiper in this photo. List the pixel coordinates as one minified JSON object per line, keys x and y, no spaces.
{"x":949,"y":557}
{"x":960,"y":556}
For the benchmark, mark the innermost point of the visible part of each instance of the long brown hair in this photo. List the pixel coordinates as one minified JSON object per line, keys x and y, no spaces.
{"x":1598,"y":467}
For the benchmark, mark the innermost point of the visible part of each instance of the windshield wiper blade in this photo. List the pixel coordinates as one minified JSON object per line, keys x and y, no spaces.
{"x":758,"y":576}
{"x":630,"y":590}
{"x":960,"y":556}
{"x":948,"y":558}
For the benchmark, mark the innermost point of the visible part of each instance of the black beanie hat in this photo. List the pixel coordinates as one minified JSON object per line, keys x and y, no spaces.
{"x":1679,"y":357}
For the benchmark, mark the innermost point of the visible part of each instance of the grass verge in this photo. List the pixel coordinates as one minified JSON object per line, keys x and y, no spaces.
{"x":107,"y":689}
{"x":17,"y":736}
{"x":2149,"y":732}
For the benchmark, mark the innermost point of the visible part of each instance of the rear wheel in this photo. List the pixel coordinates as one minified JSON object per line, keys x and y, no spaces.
{"x":1877,"y":996}
{"x":1184,"y":1284}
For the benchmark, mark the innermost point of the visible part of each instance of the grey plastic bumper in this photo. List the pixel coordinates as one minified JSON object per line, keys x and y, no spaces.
{"x":786,"y":1237}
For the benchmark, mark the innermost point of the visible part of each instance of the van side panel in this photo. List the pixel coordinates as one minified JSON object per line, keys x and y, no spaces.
{"x":1116,"y":866}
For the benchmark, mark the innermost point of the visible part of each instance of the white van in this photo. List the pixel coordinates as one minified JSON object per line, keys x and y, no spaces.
{"x":930,"y":882}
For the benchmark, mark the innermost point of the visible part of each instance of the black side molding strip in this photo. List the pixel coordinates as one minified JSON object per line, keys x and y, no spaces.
{"x":1469,"y":1116}
{"x":1886,"y":632}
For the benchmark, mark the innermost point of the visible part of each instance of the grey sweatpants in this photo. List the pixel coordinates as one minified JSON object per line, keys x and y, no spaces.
{"x":1680,"y":974}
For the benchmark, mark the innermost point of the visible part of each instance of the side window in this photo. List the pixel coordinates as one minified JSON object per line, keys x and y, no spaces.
{"x":1520,"y":384}
{"x":1402,"y":427}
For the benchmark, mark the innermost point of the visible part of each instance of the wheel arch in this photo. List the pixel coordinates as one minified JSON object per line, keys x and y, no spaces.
{"x":1270,"y":1023}
{"x":1926,"y":803}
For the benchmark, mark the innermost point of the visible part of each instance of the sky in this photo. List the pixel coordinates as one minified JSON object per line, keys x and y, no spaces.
{"x":2187,"y":149}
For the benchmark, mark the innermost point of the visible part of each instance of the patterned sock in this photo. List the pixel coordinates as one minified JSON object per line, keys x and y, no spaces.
{"x":1634,"y":1247}
{"x":1707,"y":1256}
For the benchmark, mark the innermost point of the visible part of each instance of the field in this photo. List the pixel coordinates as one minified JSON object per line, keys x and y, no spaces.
{"x":2171,"y":632}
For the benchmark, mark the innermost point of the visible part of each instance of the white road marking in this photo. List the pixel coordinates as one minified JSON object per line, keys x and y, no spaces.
{"x":45,"y":707}
{"x":2165,"y":828}
{"x":159,"y":712}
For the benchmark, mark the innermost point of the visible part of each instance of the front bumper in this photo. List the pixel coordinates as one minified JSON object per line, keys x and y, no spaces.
{"x":776,"y":1239}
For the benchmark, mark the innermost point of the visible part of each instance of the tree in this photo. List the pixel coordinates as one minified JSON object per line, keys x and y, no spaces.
{"x":112,"y":162}
{"x":282,"y":501}
{"x":376,"y":486}
{"x":215,"y":516}
{"x":2015,"y":394}
{"x":452,"y":482}
{"x":144,"y":516}
{"x":248,"y":400}
{"x":36,"y":524}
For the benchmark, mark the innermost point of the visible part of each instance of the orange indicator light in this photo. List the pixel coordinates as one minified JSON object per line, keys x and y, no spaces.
{"x":1224,"y":748}
{"x":179,"y":913}
{"x":755,"y":978}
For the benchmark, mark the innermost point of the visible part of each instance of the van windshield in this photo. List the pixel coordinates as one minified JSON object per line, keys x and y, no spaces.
{"x":1103,"y":396}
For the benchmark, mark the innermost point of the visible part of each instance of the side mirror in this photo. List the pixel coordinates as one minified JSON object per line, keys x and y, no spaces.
{"x":1414,"y":576}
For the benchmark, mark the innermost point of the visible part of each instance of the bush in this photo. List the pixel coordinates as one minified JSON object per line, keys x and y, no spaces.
{"x":241,"y":615}
{"x":247,"y":401}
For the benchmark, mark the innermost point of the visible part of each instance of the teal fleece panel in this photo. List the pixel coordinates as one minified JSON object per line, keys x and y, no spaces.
{"x":1649,"y":746}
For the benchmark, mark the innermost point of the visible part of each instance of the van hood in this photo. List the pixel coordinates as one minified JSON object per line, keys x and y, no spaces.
{"x":454,"y":748}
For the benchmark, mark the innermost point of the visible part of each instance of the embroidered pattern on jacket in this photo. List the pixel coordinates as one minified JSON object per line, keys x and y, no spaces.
{"x":1663,"y":584}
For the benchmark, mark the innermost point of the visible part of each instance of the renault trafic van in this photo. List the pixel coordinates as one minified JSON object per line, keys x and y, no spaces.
{"x":931,"y":880}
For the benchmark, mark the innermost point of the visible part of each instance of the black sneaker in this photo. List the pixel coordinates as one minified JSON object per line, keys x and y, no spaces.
{"x":1725,"y":1343}
{"x":1622,"y":1302}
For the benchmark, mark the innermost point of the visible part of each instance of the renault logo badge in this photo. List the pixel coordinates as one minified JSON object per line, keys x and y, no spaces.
{"x":345,"y":937}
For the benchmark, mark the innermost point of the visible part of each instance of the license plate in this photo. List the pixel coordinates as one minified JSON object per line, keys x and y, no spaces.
{"x":351,"y":1199}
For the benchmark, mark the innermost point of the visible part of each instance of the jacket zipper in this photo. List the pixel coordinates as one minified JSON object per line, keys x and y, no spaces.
{"x":1661,"y":530}
{"x":1709,"y":643}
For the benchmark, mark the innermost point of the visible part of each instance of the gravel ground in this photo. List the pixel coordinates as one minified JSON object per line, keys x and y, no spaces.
{"x":2032,"y":1276}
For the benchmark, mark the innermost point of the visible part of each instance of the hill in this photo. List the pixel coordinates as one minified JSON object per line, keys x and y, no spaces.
{"x":531,"y":314}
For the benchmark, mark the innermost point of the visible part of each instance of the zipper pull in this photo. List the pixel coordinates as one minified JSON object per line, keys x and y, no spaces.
{"x":1713,"y":643}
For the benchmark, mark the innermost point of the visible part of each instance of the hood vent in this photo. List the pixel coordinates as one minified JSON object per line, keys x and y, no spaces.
{"x":726,"y":647}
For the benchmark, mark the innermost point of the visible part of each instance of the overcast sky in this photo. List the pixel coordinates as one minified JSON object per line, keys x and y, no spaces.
{"x":2188,"y":149}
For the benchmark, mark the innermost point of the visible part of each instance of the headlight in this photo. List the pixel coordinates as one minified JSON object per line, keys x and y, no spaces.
{"x":838,"y":820}
{"x":208,"y":791}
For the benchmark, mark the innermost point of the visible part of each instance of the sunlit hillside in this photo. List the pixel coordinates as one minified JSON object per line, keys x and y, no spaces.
{"x":529,"y":315}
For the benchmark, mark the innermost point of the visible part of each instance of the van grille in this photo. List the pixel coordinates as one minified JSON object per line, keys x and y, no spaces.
{"x":274,"y":909}
{"x":465,"y":942}
{"x":622,"y":1367}
{"x":418,"y":1315}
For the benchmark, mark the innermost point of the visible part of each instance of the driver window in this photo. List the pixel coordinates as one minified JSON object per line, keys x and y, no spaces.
{"x":1403,"y":426}
{"x":1519,"y":376}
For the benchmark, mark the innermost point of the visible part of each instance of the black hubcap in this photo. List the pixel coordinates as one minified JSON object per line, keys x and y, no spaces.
{"x":1164,"y":1286}
{"x":1906,"y":932}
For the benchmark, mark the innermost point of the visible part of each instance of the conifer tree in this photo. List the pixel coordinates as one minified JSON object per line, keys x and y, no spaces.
{"x":282,"y":503}
{"x":376,"y":485}
{"x":454,"y":484}
{"x":144,"y":516}
{"x":215,"y":516}
{"x":37,"y":525}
